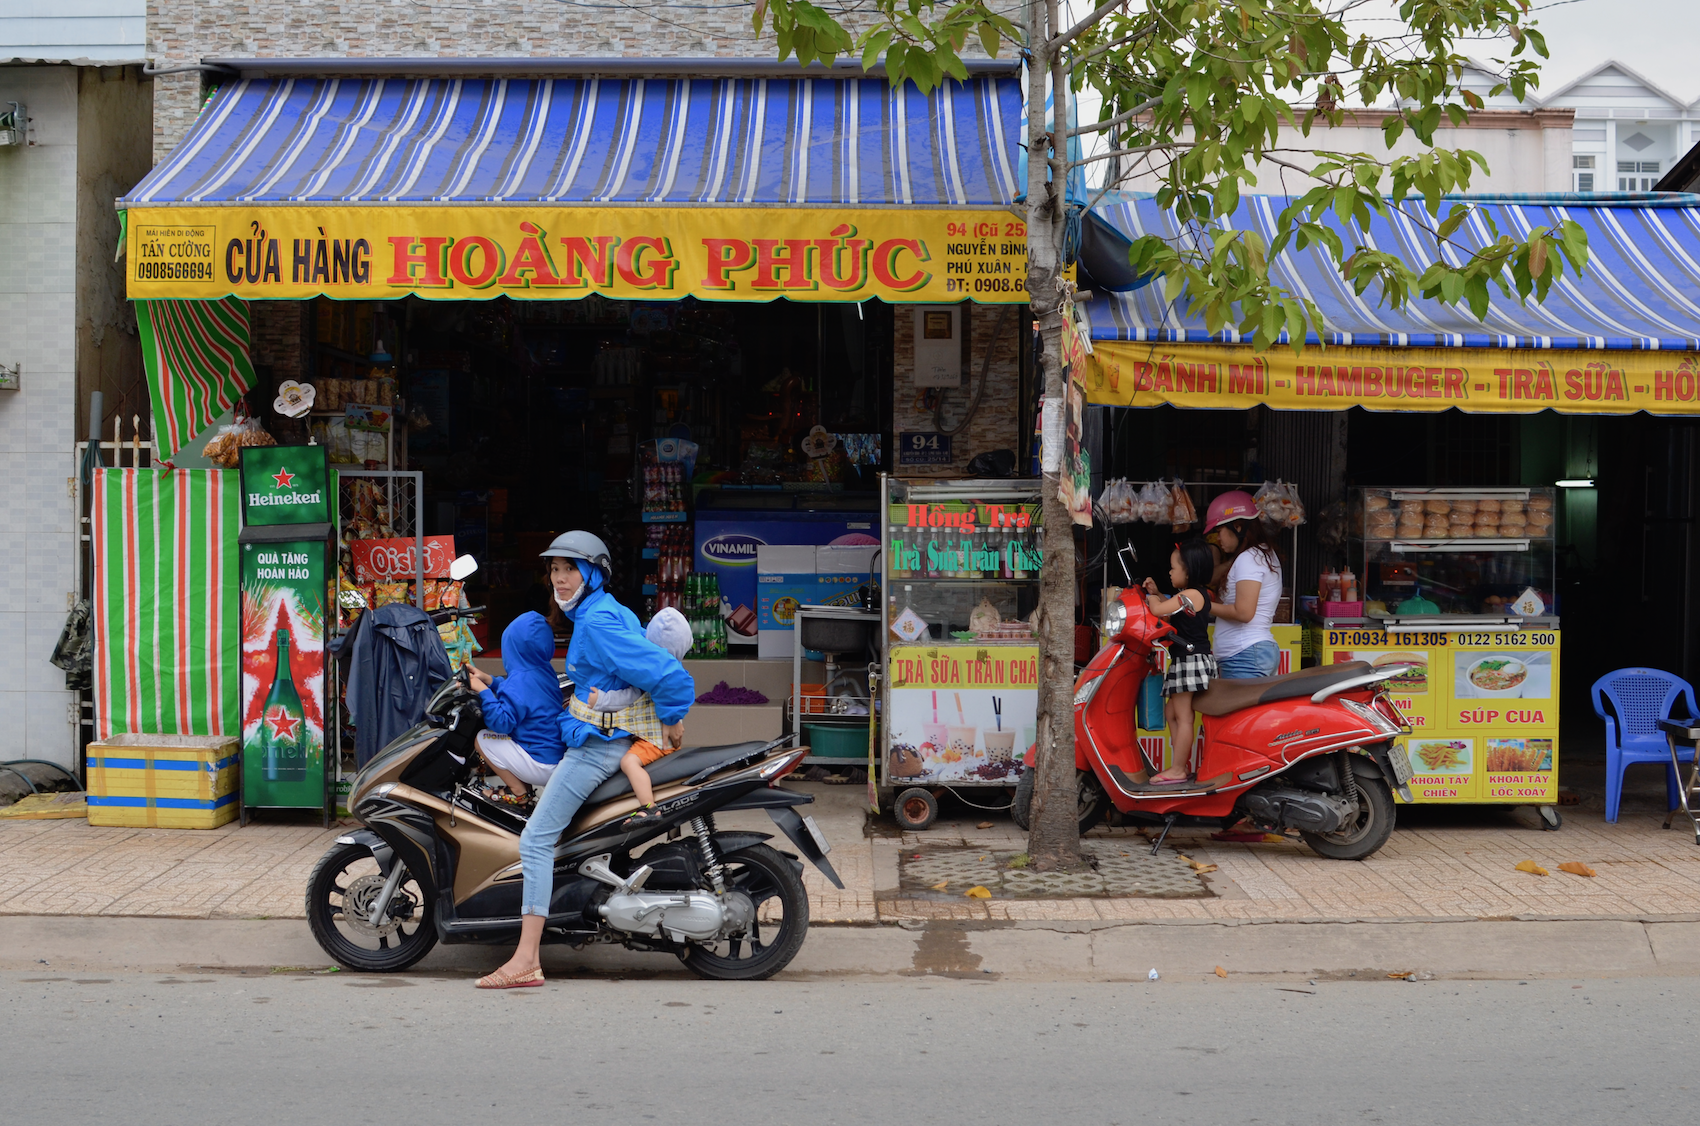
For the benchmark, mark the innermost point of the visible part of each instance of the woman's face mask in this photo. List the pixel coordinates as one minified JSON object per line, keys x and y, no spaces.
{"x":568,"y":583}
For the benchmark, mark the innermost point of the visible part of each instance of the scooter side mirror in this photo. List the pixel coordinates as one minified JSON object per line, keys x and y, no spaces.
{"x":462,"y":567}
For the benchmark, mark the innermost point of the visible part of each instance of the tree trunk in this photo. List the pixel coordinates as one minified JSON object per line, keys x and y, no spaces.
{"x":1054,"y":839}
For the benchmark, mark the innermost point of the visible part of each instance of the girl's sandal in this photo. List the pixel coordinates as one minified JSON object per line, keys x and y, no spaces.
{"x":500,"y":980}
{"x":641,"y":816}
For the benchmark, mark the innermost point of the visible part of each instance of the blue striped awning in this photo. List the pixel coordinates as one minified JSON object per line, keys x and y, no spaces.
{"x":668,"y":141}
{"x":1641,"y":289}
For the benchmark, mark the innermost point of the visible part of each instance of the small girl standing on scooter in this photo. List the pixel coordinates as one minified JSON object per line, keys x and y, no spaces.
{"x":1191,"y":666}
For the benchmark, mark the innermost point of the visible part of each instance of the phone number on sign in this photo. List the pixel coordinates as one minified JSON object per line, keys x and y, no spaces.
{"x":1510,"y":640}
{"x":1374,"y":639}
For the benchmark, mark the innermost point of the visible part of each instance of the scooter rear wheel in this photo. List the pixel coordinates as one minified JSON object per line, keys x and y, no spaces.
{"x":781,"y":923}
{"x":340,"y":893}
{"x":1366,"y":836}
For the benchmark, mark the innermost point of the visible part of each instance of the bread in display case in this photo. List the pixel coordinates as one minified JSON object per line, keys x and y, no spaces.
{"x":1459,"y":551}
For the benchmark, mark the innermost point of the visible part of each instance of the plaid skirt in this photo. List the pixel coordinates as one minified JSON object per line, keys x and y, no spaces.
{"x":1192,"y":672}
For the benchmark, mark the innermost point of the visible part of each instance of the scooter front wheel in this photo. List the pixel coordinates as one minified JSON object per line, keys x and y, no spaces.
{"x":1091,"y":800}
{"x":1365,"y":836}
{"x":341,"y":893}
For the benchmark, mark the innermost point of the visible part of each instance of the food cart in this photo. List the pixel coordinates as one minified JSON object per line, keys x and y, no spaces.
{"x":1458,"y":584}
{"x":959,"y":696}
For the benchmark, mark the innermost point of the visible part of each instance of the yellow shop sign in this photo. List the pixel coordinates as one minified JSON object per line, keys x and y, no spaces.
{"x":544,"y":253}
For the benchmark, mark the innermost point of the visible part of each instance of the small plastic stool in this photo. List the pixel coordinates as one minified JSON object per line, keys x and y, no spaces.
{"x":1686,"y":728}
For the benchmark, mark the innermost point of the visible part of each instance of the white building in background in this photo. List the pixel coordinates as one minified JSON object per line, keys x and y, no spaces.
{"x":1628,"y":131}
{"x":77,"y":135}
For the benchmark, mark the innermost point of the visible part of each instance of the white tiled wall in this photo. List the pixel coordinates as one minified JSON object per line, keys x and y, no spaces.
{"x":37,"y":329}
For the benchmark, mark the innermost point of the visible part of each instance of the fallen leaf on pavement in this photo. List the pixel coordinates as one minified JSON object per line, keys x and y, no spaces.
{"x":1220,"y":972}
{"x":1203,"y":869}
{"x":977,"y":892}
{"x":984,"y":825}
{"x":941,"y":885}
{"x":1577,"y":868}
{"x":1398,"y":974}
{"x":1531,"y":866}
{"x":1019,"y":860}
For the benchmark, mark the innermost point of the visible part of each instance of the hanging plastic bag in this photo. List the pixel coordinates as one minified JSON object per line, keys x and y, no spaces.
{"x":1185,"y":512}
{"x":1279,"y":504}
{"x":1148,"y":507}
{"x":1118,"y":502}
{"x":1165,"y":498}
{"x":225,"y":447}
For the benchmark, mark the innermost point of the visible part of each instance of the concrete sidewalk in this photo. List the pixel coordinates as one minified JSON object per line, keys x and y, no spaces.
{"x":1448,"y":865}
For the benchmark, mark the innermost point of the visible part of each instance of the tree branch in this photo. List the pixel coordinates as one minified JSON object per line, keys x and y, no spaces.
{"x":1130,"y":152}
{"x":1120,"y":118}
{"x":1106,"y":48}
{"x":1059,"y":42}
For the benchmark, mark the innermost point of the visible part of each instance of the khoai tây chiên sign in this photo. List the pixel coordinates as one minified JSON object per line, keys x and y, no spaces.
{"x":1225,"y":377}
{"x":645,"y":253}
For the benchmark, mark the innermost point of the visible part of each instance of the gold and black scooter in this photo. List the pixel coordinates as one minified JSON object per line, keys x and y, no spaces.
{"x":437,"y":862}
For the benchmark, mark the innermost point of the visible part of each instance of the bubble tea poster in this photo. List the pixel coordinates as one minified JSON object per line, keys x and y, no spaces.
{"x":961,"y":713}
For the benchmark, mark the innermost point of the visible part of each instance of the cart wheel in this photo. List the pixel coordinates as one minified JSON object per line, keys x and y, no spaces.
{"x":1551,"y":819}
{"x":915,"y":810}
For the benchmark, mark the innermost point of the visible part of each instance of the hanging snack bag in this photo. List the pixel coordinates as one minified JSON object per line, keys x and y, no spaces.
{"x":391,"y":592}
{"x":1165,"y":502}
{"x":1148,"y":504}
{"x":1185,"y":512}
{"x":1118,"y":502}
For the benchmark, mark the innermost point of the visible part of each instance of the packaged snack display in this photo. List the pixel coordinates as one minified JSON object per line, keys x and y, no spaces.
{"x":224,"y":449}
{"x":1279,"y":504}
{"x":1118,"y":502}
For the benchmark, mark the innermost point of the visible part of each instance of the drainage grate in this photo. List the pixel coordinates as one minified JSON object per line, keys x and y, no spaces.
{"x":1137,"y":874}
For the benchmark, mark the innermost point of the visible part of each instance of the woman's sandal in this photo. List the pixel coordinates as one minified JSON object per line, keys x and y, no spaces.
{"x":643,"y":815}
{"x":500,"y":980}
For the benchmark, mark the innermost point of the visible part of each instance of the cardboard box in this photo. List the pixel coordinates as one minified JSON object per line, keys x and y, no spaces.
{"x":164,"y":781}
{"x":729,"y":539}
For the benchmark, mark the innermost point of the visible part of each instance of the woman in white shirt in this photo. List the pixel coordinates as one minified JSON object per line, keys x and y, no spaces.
{"x":1244,"y":644}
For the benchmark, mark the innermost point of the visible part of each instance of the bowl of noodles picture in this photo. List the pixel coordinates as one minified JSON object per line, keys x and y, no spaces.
{"x":1497,"y":676}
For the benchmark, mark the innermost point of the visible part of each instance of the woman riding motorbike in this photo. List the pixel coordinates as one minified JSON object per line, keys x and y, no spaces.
{"x":608,"y":651}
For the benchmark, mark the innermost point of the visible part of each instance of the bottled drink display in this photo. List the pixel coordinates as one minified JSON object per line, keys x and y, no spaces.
{"x":283,"y":726}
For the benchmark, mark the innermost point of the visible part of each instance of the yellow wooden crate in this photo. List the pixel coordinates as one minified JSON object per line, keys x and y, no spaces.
{"x":164,"y":781}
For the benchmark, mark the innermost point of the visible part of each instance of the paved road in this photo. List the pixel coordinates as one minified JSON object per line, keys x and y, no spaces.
{"x":154,"y":1048}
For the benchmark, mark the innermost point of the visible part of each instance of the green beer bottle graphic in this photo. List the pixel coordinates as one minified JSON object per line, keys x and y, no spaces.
{"x":283,"y":728}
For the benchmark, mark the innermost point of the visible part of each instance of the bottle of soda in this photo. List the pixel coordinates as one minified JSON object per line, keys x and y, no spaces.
{"x":283,"y":726}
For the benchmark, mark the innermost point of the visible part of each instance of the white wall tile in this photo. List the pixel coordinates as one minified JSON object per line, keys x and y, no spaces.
{"x":49,"y":734}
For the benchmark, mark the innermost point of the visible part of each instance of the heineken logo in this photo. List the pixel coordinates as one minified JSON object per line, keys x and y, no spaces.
{"x":284,"y":478}
{"x":283,"y":725}
{"x":262,"y":500}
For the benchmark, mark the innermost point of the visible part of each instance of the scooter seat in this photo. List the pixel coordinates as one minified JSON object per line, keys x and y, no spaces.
{"x":1224,"y":696}
{"x":679,"y":765}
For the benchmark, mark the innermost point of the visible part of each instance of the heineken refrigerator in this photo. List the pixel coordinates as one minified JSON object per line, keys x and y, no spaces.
{"x":286,"y":541}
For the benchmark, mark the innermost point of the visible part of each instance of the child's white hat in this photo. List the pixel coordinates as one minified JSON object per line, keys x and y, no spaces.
{"x":671,"y":631}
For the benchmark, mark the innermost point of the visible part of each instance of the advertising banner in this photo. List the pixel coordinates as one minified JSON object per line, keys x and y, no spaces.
{"x":556,"y":253}
{"x":961,"y":712}
{"x":384,"y":560}
{"x":283,"y":673}
{"x":964,"y":539}
{"x":285,"y":485}
{"x":1483,"y":709}
{"x":1500,"y":381}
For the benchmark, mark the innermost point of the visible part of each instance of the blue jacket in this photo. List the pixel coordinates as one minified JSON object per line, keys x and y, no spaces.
{"x":525,"y":705}
{"x":609,"y":650}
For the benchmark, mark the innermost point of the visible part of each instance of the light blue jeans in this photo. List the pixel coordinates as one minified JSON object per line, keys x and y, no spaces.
{"x":584,"y":769}
{"x":1261,"y":659}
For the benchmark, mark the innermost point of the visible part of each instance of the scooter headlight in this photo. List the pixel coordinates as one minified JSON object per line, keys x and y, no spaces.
{"x":1115,"y":617}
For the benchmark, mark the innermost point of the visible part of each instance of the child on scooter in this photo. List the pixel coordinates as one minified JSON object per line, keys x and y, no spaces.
{"x":670,"y":631}
{"x":521,"y":740}
{"x":1191,"y":665}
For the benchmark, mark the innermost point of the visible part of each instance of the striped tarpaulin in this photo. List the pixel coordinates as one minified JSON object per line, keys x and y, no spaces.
{"x":196,"y":355}
{"x":165,"y":621}
{"x":608,"y":141}
{"x":1641,"y":289}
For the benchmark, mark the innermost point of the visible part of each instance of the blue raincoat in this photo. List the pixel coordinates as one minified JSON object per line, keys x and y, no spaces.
{"x":525,"y":705}
{"x":609,"y":651}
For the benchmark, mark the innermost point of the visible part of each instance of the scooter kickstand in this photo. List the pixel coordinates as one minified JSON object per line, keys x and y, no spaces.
{"x":1168,"y":823}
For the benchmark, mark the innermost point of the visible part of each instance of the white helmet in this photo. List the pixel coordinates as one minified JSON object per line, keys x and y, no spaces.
{"x":581,"y":545}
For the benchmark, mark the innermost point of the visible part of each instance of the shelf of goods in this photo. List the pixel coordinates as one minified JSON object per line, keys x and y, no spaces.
{"x":1466,"y":603}
{"x":959,"y":695}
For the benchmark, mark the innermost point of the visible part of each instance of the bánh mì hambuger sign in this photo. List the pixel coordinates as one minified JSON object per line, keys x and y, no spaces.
{"x":1224,"y":377}
{"x":459,"y":253}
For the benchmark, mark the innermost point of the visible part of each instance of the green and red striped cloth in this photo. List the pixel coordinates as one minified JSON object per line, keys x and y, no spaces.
{"x":166,"y":625}
{"x":196,"y":355}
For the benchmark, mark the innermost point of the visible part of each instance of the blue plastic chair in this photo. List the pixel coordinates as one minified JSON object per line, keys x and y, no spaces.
{"x":1639,"y":699}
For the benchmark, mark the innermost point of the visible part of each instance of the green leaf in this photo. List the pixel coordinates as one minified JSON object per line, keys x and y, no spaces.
{"x":990,"y":39}
{"x":874,"y":47}
{"x":1538,"y":256}
{"x":1454,"y":219}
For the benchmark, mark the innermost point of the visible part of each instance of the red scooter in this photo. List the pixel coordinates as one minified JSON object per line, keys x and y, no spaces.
{"x":1313,"y":751}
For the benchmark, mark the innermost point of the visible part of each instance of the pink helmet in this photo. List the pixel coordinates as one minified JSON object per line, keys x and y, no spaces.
{"x":1234,"y":505}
